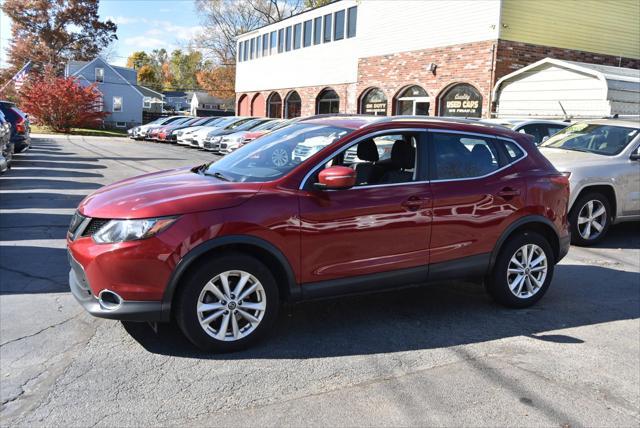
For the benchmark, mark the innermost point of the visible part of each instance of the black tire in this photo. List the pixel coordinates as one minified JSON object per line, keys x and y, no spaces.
{"x":576,"y":237}
{"x":497,"y":282}
{"x":192,"y":286}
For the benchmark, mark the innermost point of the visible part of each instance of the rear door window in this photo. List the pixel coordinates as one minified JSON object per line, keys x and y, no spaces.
{"x":461,"y":156}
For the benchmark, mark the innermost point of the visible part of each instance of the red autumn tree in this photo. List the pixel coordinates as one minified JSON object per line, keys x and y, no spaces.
{"x":61,"y":103}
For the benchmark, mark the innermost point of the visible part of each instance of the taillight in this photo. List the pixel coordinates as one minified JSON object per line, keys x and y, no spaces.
{"x":21,"y":125}
{"x":561,"y":180}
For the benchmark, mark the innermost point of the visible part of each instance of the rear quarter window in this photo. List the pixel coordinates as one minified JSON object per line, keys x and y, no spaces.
{"x":513,"y":151}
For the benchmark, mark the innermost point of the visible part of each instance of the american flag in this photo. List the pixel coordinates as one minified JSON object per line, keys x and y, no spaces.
{"x":21,"y":75}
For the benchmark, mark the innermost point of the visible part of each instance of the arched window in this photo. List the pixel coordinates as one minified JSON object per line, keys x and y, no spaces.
{"x":274,"y":105}
{"x":412,"y":100}
{"x":328,"y":102}
{"x":373,"y":101}
{"x":292,"y":105}
{"x":258,"y":105}
{"x":460,"y":100}
{"x":243,"y":106}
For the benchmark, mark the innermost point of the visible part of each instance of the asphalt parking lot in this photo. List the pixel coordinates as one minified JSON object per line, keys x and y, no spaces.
{"x":438,"y":356}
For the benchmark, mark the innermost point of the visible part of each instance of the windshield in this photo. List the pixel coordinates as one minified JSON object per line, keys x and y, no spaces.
{"x":586,"y":137}
{"x":275,"y":154}
{"x":267,"y":125}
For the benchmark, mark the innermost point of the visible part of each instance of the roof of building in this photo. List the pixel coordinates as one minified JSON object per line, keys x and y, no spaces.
{"x":174,"y":93}
{"x":205,"y":98}
{"x":603,"y":72}
{"x":146,"y":92}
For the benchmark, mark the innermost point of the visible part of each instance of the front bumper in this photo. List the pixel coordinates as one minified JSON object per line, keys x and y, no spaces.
{"x":126,"y":311}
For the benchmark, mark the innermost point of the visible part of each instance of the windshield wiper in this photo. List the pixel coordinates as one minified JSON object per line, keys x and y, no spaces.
{"x":218,"y":175}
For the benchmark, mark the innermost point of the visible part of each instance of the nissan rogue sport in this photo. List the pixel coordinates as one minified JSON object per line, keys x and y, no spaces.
{"x":219,"y":247}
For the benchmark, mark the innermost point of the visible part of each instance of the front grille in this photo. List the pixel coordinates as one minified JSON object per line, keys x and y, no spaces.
{"x":351,"y":156}
{"x":301,"y":151}
{"x":94,"y":225}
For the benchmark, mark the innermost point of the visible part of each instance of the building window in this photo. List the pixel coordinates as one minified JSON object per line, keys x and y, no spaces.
{"x":338,"y":27}
{"x":327,"y":102}
{"x":246,"y":50}
{"x":274,"y":106}
{"x":352,"y":18}
{"x":117,"y":104}
{"x":460,"y":100}
{"x":252,"y":48}
{"x":327,"y":29}
{"x":287,"y":40}
{"x":121,"y":124}
{"x":374,"y":102}
{"x":280,"y":40}
{"x":297,"y":34}
{"x":258,"y":46}
{"x":240,"y":45}
{"x":293,"y":105}
{"x":265,"y":44}
{"x":99,"y":74}
{"x":99,"y":106}
{"x":146,"y":102}
{"x":307,"y":33}
{"x":413,"y":101}
{"x":274,"y":42}
{"x":317,"y":30}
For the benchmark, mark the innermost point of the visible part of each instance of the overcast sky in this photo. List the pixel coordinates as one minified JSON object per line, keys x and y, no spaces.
{"x":142,"y":25}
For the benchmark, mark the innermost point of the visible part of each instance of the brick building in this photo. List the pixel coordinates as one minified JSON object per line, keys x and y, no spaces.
{"x":442,"y":57}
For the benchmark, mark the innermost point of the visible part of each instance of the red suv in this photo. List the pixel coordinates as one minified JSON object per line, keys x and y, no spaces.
{"x":291,"y":217}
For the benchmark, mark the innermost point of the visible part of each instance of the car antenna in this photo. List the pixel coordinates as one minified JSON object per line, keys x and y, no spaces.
{"x":564,"y":112}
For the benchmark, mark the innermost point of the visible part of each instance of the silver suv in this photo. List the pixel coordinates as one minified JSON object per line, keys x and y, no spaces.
{"x":602,"y":159}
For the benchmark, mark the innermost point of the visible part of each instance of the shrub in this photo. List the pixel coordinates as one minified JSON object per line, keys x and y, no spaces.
{"x":61,"y":103}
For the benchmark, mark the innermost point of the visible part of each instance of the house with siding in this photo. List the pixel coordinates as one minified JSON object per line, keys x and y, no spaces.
{"x":122,"y":97}
{"x":176,"y":100}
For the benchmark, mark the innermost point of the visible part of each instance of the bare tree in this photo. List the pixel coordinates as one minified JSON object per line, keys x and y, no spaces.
{"x":225,"y":20}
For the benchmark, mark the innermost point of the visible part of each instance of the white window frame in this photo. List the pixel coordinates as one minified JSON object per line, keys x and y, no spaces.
{"x":113,"y":105}
{"x":121,"y":124}
{"x":146,"y":102}
{"x":96,"y":74}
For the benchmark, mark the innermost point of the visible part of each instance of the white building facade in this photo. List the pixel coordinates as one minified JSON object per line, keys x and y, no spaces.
{"x":386,"y":57}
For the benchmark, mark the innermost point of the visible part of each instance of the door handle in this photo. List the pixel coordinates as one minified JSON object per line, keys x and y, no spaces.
{"x":414,"y":203}
{"x":508,"y":193}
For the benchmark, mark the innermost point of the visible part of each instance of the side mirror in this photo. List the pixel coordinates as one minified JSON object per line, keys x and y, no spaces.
{"x":336,"y":178}
{"x":635,"y":155}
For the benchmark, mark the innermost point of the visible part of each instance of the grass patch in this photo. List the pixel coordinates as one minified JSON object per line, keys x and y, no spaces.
{"x":38,"y":129}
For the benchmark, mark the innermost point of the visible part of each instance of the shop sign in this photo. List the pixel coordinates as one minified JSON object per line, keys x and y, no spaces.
{"x":461,"y":100}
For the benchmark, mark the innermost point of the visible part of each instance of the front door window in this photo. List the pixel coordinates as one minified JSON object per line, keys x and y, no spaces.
{"x":413,"y":101}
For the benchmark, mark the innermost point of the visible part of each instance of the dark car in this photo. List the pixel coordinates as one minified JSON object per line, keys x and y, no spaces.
{"x":167,"y":133}
{"x":6,"y":145}
{"x":20,"y":126}
{"x":219,"y":247}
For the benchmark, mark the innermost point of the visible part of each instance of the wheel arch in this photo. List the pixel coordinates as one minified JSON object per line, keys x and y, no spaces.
{"x":264,"y":251}
{"x":607,"y":189}
{"x":535,"y":223}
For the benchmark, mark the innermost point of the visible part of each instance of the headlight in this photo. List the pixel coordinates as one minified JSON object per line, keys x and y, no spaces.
{"x":131,"y":230}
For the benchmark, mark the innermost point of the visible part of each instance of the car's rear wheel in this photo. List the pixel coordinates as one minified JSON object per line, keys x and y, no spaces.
{"x":229,"y":304}
{"x":590,"y":218}
{"x":523,"y":271}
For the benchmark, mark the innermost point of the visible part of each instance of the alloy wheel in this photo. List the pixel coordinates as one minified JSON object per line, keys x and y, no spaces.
{"x":527,"y":271}
{"x":592,"y":219}
{"x":231,"y":305}
{"x":280,"y":157}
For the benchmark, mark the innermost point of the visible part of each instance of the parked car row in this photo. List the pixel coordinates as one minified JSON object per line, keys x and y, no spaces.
{"x":15,"y":133}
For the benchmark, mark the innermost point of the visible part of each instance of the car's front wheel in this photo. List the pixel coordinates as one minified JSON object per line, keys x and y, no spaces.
{"x":523,"y":271}
{"x":229,"y":304}
{"x":590,"y":219}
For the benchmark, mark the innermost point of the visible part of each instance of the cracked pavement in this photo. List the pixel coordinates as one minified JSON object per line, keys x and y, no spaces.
{"x":439,"y":356}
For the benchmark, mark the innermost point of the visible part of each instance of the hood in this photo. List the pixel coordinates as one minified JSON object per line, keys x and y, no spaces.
{"x":191,"y":129}
{"x":165,"y":193}
{"x":565,"y":160}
